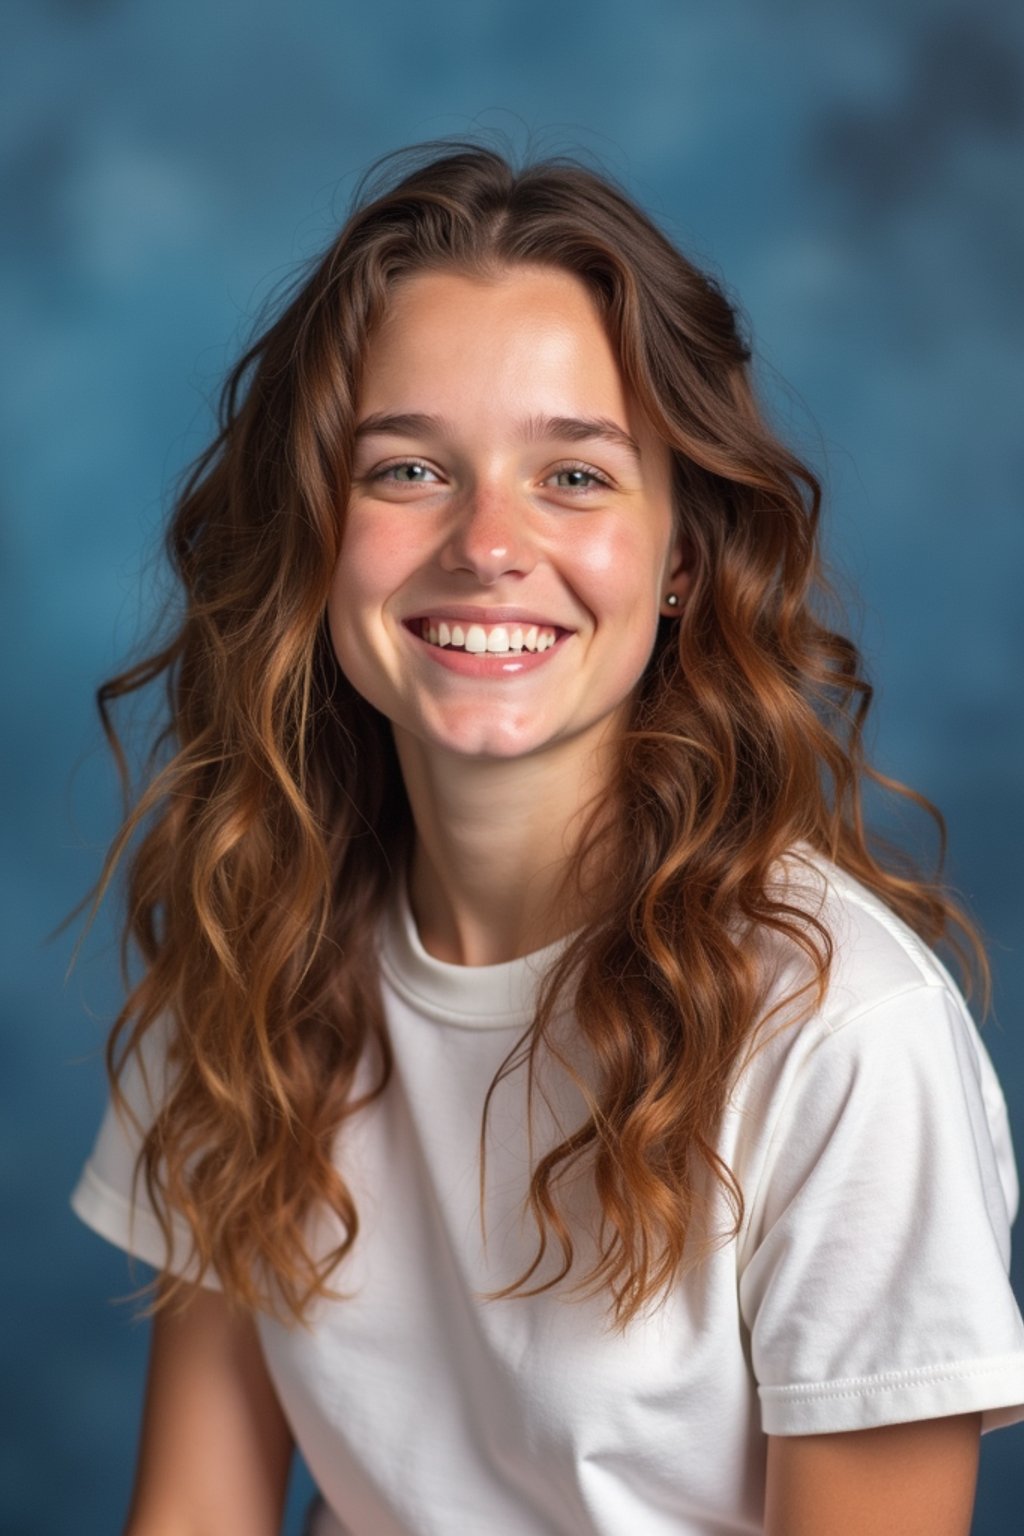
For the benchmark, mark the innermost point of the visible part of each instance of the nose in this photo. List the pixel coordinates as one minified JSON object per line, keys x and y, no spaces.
{"x":489,"y":536}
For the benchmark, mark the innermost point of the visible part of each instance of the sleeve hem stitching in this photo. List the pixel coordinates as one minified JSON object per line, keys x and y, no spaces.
{"x":856,"y":1386}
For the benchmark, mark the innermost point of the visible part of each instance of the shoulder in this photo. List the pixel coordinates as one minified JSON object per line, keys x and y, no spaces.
{"x":886,"y":988}
{"x":876,"y":956}
{"x":870,"y":1138}
{"x":890,"y":1054}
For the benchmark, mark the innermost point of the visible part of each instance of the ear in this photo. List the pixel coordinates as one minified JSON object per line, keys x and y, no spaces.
{"x":679,"y":568}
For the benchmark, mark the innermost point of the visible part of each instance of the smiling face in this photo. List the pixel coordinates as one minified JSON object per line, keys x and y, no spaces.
{"x":498,"y":508}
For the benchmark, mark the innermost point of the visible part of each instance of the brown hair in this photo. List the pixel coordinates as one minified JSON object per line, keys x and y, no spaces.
{"x":274,"y":816}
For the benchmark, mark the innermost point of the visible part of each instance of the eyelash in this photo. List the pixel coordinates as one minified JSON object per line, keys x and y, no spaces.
{"x":562,"y":469}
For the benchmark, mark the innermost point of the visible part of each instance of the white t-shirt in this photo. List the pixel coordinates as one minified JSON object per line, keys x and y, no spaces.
{"x":867,"y":1285}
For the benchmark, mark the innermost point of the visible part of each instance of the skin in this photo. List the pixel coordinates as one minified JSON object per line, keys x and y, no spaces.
{"x":215,"y":1449}
{"x":499,"y":771}
{"x":897,"y":1480}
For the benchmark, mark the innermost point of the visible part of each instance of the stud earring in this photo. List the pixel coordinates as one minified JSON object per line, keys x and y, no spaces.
{"x":672,"y":599}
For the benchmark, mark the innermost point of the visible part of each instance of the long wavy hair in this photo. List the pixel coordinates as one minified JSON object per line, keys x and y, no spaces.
{"x":272,"y":817}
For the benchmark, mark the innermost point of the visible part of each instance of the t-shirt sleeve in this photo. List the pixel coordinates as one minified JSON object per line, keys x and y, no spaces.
{"x":877,"y":1289}
{"x":104,"y":1198}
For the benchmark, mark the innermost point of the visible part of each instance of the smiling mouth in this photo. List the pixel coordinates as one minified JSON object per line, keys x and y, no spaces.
{"x":508,"y":639}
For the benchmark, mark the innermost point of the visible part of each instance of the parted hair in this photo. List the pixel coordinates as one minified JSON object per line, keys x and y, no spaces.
{"x":259,"y":850}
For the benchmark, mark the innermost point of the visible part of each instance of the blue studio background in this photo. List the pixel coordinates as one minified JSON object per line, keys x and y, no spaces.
{"x":851,"y":169}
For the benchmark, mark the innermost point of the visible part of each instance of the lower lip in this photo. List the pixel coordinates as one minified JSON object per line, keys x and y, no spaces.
{"x":489,"y":663}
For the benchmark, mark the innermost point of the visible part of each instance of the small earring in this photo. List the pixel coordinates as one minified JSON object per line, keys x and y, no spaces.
{"x":672,"y":599}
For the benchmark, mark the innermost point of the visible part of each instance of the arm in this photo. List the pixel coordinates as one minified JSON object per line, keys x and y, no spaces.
{"x":914,"y":1479}
{"x":216,"y":1449}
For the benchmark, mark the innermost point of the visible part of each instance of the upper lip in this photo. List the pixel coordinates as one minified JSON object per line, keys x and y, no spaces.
{"x":473,"y":614}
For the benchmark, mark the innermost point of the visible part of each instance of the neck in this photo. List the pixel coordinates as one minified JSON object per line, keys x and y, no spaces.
{"x":492,"y":871}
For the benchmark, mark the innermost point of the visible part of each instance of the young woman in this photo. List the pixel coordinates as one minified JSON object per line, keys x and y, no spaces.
{"x":541,"y":1102}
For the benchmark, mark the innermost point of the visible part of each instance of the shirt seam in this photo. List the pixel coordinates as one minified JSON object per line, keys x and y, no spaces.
{"x":503,"y":1019}
{"x":857,"y":1386}
{"x":834,"y":1023}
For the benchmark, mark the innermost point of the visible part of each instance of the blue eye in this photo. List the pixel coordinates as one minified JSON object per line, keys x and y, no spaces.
{"x":419,"y":470}
{"x":586,"y":471}
{"x":383,"y":474}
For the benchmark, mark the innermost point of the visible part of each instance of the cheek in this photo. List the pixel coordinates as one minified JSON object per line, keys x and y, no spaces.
{"x":352,"y":640}
{"x":378,"y":555}
{"x":377,"y":552}
{"x":620,"y":571}
{"x":619,"y":565}
{"x":350,"y":597}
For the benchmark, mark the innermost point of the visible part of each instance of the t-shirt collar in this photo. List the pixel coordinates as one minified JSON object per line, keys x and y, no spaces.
{"x":469,"y":996}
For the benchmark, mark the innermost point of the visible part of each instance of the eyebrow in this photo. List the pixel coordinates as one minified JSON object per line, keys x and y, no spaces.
{"x":573,"y":429}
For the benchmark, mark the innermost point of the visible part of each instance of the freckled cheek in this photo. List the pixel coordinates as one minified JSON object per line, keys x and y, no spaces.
{"x":376,"y":558}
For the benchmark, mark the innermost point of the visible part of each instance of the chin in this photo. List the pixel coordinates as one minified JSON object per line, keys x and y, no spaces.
{"x":487,"y":747}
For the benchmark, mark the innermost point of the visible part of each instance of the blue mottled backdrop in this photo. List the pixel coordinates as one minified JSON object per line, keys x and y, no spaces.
{"x":850,"y":168}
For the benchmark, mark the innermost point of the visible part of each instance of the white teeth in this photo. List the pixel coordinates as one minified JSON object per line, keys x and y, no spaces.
{"x":497,"y":640}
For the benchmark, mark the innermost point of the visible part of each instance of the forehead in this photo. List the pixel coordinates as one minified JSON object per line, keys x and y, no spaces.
{"x":524,"y":288}
{"x":530,"y":334}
